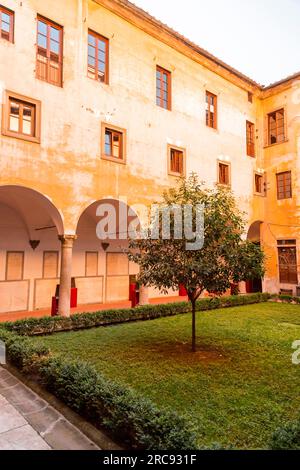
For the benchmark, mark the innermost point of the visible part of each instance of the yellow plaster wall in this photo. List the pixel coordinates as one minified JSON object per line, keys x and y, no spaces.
{"x":66,"y":166}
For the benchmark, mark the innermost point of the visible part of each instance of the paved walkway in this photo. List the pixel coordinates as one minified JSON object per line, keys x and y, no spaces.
{"x":13,"y":316}
{"x":28,"y":422}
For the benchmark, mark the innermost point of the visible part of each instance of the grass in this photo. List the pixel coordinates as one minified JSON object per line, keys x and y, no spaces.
{"x":237,"y":389}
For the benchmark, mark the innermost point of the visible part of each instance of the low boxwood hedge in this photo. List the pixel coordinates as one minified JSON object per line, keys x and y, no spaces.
{"x":134,"y":420}
{"x":290,"y":299}
{"x":49,"y":325}
{"x":131,"y":419}
{"x":286,"y":437}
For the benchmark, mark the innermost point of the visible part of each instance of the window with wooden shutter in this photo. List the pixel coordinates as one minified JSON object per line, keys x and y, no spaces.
{"x":163,"y":88}
{"x":6,"y":24}
{"x":21,"y":117}
{"x":224,"y":174}
{"x":211,"y":110}
{"x":49,"y":51}
{"x":176,"y":161}
{"x":113,"y":143}
{"x":284,"y":185}
{"x":287,"y":257}
{"x":14,"y":265}
{"x":276,"y":127}
{"x":91,"y":263}
{"x":98,"y":57}
{"x":50,"y":265}
{"x":259,"y":184}
{"x":250,"y":136}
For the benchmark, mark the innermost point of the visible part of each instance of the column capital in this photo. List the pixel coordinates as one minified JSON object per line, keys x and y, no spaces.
{"x":67,"y":240}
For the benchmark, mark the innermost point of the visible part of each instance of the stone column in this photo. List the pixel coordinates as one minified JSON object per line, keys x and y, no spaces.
{"x":144,"y":295}
{"x":65,"y":274}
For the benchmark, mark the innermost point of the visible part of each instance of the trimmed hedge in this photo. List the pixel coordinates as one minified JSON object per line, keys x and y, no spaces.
{"x":22,"y":352}
{"x":287,"y":437}
{"x":49,"y":325}
{"x":135,"y":421}
{"x":290,"y":299}
{"x":130,"y":418}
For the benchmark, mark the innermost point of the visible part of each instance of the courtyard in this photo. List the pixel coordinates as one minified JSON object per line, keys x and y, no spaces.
{"x":236,"y":390}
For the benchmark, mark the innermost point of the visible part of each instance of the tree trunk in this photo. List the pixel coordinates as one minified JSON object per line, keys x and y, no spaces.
{"x":194,"y":325}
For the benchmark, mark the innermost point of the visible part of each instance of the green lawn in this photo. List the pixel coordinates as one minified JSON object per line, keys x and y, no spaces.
{"x":238,"y":388}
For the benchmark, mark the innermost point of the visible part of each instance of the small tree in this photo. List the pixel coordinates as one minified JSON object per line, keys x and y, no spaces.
{"x":224,"y":258}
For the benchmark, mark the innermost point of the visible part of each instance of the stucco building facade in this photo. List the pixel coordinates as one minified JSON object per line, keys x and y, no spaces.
{"x":101,"y":103}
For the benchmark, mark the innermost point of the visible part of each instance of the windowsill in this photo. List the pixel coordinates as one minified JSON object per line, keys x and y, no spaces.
{"x":225,"y":186}
{"x":215,"y":129}
{"x":60,"y":86}
{"x":15,"y":135}
{"x":98,"y":81}
{"x":7,"y":41}
{"x":164,"y":109}
{"x":113,"y":159}
{"x":251,"y":156}
{"x":288,"y":284}
{"x":285,"y":199}
{"x":277,"y":143}
{"x":176,"y":175}
{"x":259,"y":194}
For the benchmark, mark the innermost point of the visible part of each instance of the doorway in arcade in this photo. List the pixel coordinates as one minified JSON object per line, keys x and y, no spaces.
{"x":100,"y":266}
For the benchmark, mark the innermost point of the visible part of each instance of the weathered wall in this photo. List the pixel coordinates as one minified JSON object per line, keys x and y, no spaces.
{"x":67,"y":168}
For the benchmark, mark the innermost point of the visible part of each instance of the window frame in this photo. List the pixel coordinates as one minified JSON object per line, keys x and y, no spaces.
{"x":209,"y":94}
{"x":107,"y":126}
{"x":9,"y":96}
{"x":170,"y":148}
{"x":289,"y":244}
{"x":6,"y":265}
{"x":107,"y":42}
{"x":11,"y":15}
{"x":268,"y":137}
{"x":228,"y":164}
{"x":262,"y":176}
{"x":169,"y":88}
{"x":50,"y":23}
{"x":285,"y":189}
{"x":250,"y":144}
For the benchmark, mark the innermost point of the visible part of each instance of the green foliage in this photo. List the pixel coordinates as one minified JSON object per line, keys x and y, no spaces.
{"x":238,"y":389}
{"x":23,"y":352}
{"x":224,"y":258}
{"x":286,"y":298}
{"x":286,"y":437}
{"x":49,"y":325}
{"x":136,"y":421}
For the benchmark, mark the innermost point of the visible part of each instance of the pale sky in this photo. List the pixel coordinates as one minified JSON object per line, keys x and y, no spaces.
{"x":260,"y":38}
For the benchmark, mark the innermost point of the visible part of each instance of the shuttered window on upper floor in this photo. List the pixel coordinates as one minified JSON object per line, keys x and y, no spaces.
{"x":284,"y":185}
{"x":49,"y":61}
{"x":98,"y":57}
{"x":276,"y":127}
{"x":163,"y":88}
{"x":211,"y":110}
{"x":250,"y":136}
{"x":6,"y":24}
